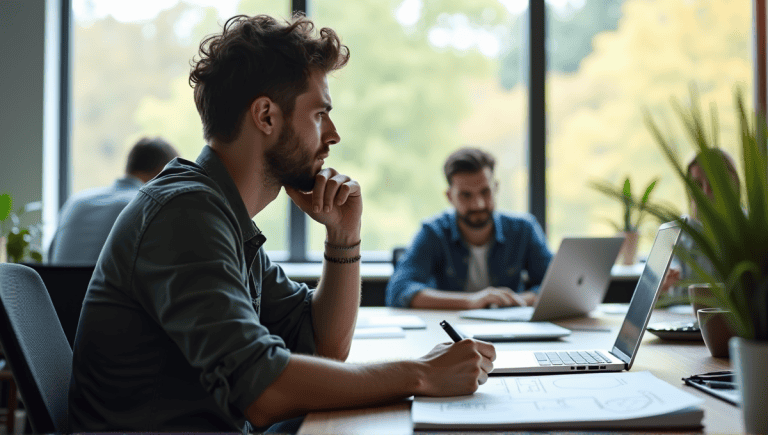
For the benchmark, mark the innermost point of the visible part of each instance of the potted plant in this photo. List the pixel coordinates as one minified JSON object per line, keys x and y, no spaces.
{"x":15,"y":239}
{"x":629,"y":227}
{"x":733,"y":235}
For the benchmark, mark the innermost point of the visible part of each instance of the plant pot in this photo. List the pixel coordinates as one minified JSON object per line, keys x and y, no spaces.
{"x":628,"y":250}
{"x":750,"y":362}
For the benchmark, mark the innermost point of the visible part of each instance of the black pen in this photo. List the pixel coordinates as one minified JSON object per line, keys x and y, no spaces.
{"x":721,"y":385}
{"x":455,"y":336}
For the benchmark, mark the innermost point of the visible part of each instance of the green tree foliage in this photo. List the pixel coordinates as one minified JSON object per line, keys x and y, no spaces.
{"x":115,"y":66}
{"x":397,"y":106}
{"x":569,"y":38}
{"x":594,"y":118}
{"x":595,"y":114}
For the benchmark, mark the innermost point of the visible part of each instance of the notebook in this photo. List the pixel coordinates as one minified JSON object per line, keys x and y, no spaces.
{"x":574,"y":284}
{"x":622,"y":355}
{"x":626,"y":401}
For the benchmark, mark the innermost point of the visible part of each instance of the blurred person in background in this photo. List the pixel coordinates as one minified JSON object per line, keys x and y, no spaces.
{"x":680,"y":269}
{"x":472,"y":256}
{"x":87,"y":217}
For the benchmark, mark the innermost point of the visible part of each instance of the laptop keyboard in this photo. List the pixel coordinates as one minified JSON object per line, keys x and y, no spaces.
{"x":570,"y":358}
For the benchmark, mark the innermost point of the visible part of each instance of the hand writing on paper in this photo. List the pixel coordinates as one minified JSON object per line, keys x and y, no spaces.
{"x":457,"y":368}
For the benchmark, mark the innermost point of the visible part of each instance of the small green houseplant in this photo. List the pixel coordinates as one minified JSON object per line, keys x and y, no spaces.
{"x":629,"y":227}
{"x":15,"y":239}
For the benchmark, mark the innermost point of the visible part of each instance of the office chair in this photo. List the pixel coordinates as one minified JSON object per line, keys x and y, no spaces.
{"x":66,"y":286}
{"x":35,"y":347}
{"x":397,"y":253}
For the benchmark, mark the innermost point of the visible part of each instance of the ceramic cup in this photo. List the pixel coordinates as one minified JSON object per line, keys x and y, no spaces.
{"x":701,"y":296}
{"x":716,"y":330}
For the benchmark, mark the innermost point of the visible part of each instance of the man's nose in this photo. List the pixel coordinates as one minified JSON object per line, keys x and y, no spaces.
{"x":331,"y":136}
{"x":479,"y":202}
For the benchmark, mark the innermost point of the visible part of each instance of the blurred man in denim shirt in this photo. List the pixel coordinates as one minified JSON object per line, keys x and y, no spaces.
{"x":472,"y":256}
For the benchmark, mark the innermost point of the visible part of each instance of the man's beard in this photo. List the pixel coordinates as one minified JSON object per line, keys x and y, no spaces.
{"x":289,"y":163}
{"x":476,"y":223}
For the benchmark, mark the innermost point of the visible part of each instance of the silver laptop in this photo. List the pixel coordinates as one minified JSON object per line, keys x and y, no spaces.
{"x":513,"y":331}
{"x":575,"y":283}
{"x":622,"y":355}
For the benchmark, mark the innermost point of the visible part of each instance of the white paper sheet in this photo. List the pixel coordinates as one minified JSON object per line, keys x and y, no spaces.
{"x":548,"y":400}
{"x":379,"y":332}
{"x":404,"y":321}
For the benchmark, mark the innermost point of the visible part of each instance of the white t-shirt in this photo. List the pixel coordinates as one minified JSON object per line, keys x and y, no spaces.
{"x":477,"y":273}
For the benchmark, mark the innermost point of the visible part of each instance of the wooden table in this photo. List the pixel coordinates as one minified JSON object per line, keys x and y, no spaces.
{"x":667,"y":360}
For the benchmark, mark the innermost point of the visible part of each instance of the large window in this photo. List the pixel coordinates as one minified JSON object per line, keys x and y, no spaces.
{"x":130,"y":79}
{"x":607,"y":61}
{"x":426,"y":77}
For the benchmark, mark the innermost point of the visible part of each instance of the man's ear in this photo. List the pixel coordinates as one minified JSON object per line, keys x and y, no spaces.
{"x":266,"y":115}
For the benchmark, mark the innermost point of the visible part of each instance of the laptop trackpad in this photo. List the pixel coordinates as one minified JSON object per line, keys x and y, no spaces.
{"x":510,"y":359}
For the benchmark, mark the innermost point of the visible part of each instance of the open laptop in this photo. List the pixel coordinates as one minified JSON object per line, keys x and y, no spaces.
{"x":575,"y":283}
{"x":622,"y":355}
{"x":513,"y":331}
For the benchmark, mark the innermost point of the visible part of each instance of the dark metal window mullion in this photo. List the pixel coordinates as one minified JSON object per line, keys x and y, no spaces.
{"x":297,"y":230}
{"x":65,"y":94}
{"x":537,"y":124}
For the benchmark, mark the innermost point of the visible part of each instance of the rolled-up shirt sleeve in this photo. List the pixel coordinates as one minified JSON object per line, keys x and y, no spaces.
{"x":414,"y":272}
{"x":192,"y":278}
{"x":286,"y":306}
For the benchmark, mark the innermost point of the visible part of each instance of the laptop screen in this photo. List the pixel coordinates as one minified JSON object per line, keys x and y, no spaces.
{"x":645,"y":293}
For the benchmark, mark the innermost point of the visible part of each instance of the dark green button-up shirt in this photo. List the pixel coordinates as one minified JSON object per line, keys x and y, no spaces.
{"x":186,"y":321}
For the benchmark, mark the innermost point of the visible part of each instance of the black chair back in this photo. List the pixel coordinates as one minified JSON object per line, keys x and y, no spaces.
{"x":35,"y":347}
{"x":66,"y":286}
{"x":397,"y":253}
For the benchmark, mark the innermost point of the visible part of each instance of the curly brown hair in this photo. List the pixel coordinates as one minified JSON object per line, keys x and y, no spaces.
{"x":258,"y":56}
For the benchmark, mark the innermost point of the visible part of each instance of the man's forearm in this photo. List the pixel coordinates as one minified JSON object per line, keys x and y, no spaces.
{"x":337,"y":298}
{"x":308,"y":384}
{"x":440,"y":299}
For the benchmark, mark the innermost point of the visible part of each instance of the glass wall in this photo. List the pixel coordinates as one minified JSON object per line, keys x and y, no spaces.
{"x":424,"y":78}
{"x":607,"y":61}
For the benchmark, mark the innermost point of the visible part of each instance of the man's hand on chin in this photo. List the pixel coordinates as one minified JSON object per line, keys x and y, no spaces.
{"x":335,"y":202}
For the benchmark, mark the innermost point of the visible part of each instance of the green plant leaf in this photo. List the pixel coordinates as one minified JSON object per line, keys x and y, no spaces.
{"x":648,"y":191}
{"x":36,"y":256}
{"x":627,"y":188}
{"x":16,"y":245}
{"x":6,"y":205}
{"x":642,"y":212}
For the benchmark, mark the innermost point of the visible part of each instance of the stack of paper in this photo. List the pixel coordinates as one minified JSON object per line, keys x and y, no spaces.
{"x":572,"y":401}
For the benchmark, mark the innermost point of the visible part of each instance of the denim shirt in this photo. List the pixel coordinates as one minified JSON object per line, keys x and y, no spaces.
{"x":186,"y":321}
{"x":439,"y":258}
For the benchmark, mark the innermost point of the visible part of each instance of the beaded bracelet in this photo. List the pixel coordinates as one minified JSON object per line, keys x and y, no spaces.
{"x":342,"y":248}
{"x":339,"y":260}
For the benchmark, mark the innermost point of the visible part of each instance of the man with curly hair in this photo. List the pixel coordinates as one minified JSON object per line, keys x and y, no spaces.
{"x":187,"y":324}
